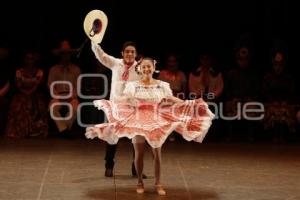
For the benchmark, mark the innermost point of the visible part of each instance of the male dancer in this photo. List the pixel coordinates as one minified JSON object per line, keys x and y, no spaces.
{"x":123,"y":70}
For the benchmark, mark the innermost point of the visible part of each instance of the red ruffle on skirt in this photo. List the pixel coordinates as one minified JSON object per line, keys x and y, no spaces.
{"x":192,"y":119}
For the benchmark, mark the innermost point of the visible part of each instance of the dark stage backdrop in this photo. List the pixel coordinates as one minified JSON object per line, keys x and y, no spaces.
{"x":187,"y":27}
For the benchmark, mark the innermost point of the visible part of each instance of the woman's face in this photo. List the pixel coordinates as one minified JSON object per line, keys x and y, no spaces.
{"x":278,"y":63}
{"x":206,"y":61}
{"x":172,"y":63}
{"x":129,"y":54}
{"x":30,"y":59}
{"x":147,"y":68}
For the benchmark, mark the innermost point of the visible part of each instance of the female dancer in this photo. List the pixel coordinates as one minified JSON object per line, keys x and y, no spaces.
{"x":149,"y":112}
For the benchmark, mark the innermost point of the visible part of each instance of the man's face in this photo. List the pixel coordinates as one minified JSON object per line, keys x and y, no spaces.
{"x":243,"y":63}
{"x":129,"y":54}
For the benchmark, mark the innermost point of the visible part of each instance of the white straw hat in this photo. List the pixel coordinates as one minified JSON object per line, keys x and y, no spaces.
{"x":95,"y":24}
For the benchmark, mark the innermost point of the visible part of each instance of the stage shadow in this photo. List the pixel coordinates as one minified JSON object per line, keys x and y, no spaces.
{"x":128,"y":193}
{"x":128,"y":177}
{"x":117,"y":177}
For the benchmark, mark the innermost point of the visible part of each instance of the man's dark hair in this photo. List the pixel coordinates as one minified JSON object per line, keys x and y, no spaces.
{"x":128,"y":43}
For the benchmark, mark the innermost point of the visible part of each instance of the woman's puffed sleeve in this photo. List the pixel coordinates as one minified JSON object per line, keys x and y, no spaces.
{"x":167,"y":90}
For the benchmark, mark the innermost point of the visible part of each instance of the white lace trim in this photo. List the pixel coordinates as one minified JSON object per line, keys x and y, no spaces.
{"x":109,"y":136}
{"x":108,"y":133}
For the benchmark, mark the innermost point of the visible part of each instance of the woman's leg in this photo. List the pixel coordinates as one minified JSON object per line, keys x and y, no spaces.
{"x":133,"y":170}
{"x":157,"y":166}
{"x":139,"y":146}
